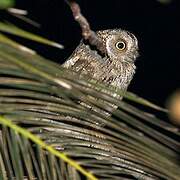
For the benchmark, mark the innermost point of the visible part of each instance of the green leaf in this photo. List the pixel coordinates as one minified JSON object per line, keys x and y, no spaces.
{"x":165,"y":1}
{"x":4,"y":4}
{"x":12,"y":29}
{"x":16,"y":151}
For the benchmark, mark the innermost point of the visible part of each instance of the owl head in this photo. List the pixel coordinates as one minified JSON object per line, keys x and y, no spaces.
{"x":120,"y":45}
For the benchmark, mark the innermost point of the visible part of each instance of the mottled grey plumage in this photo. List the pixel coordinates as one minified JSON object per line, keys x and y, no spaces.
{"x":116,"y":67}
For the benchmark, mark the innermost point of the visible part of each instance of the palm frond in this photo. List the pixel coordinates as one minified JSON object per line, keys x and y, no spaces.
{"x":43,"y":97}
{"x":12,"y":29}
{"x":17,"y":148}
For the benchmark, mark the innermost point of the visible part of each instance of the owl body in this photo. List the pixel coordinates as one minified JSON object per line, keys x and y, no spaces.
{"x":115,"y":67}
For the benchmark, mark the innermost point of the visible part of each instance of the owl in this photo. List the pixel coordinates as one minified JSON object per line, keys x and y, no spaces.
{"x":116,"y":67}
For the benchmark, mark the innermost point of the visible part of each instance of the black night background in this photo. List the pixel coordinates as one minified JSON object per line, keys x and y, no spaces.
{"x":156,"y":26}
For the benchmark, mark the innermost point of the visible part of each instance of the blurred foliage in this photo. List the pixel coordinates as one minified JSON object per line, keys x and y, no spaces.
{"x":165,"y":1}
{"x":4,"y":4}
{"x":173,"y":104}
{"x":12,"y":29}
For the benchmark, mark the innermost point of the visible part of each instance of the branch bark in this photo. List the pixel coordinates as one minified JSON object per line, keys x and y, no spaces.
{"x":87,"y":33}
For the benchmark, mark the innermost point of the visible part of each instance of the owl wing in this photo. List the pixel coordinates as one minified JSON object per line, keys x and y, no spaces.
{"x":83,"y":60}
{"x":79,"y":64}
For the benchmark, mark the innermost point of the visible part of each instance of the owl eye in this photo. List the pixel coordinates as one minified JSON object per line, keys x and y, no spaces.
{"x":120,"y":45}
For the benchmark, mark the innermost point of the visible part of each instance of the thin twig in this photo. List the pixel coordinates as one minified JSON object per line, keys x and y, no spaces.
{"x":87,"y":33}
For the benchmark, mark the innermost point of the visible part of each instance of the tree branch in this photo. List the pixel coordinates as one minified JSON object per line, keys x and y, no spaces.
{"x":87,"y":33}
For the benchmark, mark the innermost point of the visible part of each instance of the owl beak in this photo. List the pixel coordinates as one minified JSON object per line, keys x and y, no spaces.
{"x":133,"y":57}
{"x":136,"y":55}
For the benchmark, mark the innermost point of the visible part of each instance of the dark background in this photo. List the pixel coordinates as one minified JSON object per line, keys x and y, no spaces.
{"x":156,"y":26}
